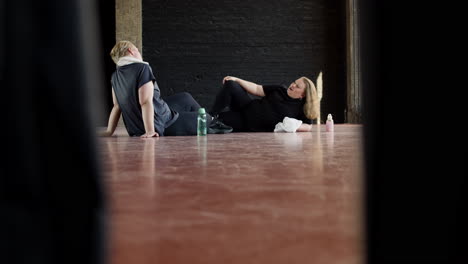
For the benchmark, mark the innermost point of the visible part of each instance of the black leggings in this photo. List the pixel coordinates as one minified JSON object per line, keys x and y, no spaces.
{"x":187,"y":107}
{"x":235,"y":98}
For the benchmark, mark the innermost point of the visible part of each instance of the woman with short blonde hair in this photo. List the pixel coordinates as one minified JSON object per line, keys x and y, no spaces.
{"x":137,"y":97}
{"x":120,"y":50}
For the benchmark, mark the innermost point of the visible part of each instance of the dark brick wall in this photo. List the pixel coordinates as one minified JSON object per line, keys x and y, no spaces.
{"x":106,"y":11}
{"x":192,"y":45}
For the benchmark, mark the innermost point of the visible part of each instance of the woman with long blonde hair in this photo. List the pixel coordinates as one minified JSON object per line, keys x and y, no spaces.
{"x":245,"y":113}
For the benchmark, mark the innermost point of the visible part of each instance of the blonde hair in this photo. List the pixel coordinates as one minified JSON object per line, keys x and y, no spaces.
{"x":311,"y":106}
{"x":120,"y":50}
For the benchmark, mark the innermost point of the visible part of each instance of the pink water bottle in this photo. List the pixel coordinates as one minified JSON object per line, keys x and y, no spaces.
{"x":329,"y":127}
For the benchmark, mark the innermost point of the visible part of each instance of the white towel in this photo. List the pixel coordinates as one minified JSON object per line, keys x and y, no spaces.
{"x":129,"y":60}
{"x":288,"y":125}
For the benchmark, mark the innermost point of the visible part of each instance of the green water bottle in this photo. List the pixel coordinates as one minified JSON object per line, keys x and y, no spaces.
{"x":201,"y":122}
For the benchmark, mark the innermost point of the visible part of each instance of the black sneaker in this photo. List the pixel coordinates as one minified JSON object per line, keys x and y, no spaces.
{"x":218,"y":127}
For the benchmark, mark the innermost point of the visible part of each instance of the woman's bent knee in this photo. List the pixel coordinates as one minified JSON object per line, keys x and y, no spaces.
{"x":232,"y":85}
{"x":185,"y":95}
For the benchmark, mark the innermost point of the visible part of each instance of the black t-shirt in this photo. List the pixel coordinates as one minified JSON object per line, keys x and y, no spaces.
{"x":126,"y":80}
{"x":262,"y":115}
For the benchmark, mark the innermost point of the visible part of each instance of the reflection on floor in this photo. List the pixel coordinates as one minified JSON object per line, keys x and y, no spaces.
{"x":236,"y":198}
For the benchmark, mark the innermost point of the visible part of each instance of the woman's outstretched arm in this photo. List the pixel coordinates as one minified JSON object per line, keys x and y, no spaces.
{"x":304,"y":128}
{"x":250,"y":87}
{"x":145,"y":94}
{"x":113,"y":118}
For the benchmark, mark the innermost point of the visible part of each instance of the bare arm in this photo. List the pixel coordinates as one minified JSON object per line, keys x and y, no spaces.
{"x":304,"y":128}
{"x":113,"y":118}
{"x":145,"y":94}
{"x":250,"y":87}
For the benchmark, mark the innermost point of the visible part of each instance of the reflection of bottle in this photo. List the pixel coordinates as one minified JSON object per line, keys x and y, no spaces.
{"x":201,"y":147}
{"x":329,"y":125}
{"x":201,"y":122}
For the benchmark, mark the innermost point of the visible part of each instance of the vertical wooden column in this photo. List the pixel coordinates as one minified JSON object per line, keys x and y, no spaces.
{"x":128,"y":25}
{"x":353,"y":114}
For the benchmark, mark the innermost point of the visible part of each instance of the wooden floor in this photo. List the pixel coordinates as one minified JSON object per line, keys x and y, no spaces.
{"x":236,"y":198}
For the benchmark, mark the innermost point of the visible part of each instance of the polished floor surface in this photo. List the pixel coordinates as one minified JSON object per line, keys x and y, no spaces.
{"x":236,"y":198}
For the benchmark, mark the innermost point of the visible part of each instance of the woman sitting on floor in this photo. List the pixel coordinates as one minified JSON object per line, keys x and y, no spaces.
{"x":137,"y":97}
{"x":246,"y":114}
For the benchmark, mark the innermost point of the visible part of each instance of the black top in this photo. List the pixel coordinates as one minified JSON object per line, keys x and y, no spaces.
{"x":126,"y":80}
{"x":263,"y":114}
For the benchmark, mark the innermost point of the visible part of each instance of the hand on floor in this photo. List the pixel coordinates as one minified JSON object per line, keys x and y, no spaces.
{"x":150,"y":135}
{"x":104,"y":133}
